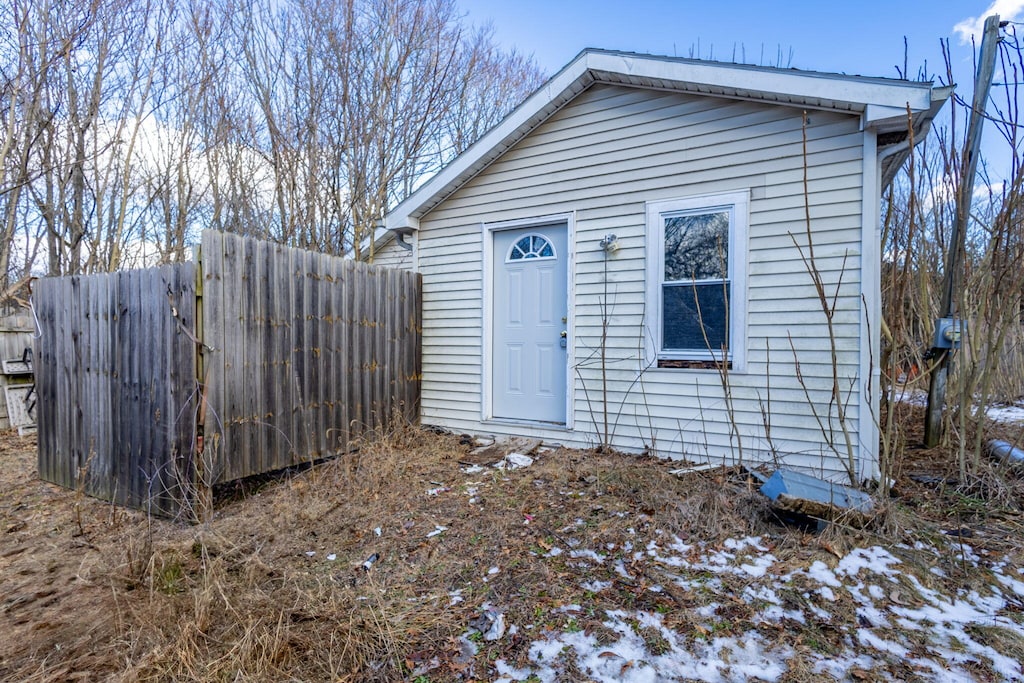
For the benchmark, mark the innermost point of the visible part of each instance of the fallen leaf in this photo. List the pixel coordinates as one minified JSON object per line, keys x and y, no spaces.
{"x":828,"y":546}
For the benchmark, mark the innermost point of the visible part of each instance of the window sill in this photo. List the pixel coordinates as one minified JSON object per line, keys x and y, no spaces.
{"x":680,"y":364}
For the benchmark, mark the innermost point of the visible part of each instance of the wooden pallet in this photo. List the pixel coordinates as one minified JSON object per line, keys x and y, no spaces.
{"x":17,"y":408}
{"x":17,"y":367}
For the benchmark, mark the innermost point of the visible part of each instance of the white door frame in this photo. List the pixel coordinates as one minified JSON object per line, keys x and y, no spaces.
{"x":487,"y":231}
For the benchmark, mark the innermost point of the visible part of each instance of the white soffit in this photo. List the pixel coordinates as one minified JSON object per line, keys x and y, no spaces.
{"x":875,"y":98}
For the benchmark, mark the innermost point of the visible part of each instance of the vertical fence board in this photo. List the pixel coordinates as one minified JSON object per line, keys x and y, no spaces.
{"x":367,"y":304}
{"x":138,"y":348}
{"x":122,"y":373}
{"x":72,"y":313}
{"x":309,"y":304}
{"x":235,"y":436}
{"x":416,"y":339}
{"x":86,"y":351}
{"x":116,"y":340}
{"x":159,"y":456}
{"x":142,"y":347}
{"x":342,"y":368}
{"x":272,"y":443}
{"x":315,"y":323}
{"x":47,"y":374}
{"x":393,"y":318}
{"x":283,"y":347}
{"x":296,"y":342}
{"x":249,"y":314}
{"x":212,"y":273}
{"x":383,"y":351}
{"x":327,"y":394}
{"x":359,"y":393}
{"x":103,"y":463}
{"x":409,"y":305}
{"x":103,"y":351}
{"x":377,"y":302}
{"x":187,"y":358}
{"x":42,"y":393}
{"x":153,"y":299}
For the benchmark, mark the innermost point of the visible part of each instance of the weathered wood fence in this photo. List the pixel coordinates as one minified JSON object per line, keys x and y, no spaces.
{"x":115,"y":376}
{"x":308,"y":352}
{"x":157,"y":384}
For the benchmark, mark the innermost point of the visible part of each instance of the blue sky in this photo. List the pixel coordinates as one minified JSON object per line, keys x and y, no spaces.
{"x":865,"y":37}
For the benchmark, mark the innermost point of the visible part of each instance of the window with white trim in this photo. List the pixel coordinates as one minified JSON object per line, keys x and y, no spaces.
{"x":696,"y":279}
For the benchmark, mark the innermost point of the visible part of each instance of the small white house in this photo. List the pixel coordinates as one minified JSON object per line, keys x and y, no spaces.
{"x":629,"y":258}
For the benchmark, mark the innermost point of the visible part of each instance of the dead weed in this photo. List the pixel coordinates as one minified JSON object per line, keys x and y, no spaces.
{"x":373,"y":566}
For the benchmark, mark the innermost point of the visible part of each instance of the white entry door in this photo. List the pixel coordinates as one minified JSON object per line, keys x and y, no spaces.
{"x":529,"y":323}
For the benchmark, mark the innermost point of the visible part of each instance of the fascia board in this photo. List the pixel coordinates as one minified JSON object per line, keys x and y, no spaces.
{"x":755,"y":81}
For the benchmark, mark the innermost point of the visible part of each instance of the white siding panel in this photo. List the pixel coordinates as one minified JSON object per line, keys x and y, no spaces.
{"x":393,"y":255}
{"x":706,"y":175}
{"x":600,"y":159}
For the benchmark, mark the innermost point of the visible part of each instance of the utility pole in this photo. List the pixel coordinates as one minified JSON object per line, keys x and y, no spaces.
{"x":951,"y":282}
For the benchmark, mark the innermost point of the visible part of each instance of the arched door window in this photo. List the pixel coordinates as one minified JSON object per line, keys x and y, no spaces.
{"x":531,"y":246}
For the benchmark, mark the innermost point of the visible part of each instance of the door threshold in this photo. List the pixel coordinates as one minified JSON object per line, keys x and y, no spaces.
{"x":554,"y":426}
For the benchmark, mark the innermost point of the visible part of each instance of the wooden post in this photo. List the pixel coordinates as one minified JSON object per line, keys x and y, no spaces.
{"x":201,"y":488}
{"x":951,"y":283}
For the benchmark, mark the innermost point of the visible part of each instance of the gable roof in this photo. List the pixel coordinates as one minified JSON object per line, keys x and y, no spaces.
{"x":883,"y":103}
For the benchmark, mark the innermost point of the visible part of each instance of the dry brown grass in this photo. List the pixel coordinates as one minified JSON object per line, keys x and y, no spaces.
{"x":238,"y":598}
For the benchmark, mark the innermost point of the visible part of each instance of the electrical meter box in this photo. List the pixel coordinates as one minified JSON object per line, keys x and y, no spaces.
{"x":948,"y":332}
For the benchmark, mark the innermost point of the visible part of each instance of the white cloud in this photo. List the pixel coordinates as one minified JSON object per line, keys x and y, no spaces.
{"x":971,"y":28}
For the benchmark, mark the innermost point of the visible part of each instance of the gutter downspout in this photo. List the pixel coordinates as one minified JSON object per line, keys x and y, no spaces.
{"x":400,"y":235}
{"x":895,"y":149}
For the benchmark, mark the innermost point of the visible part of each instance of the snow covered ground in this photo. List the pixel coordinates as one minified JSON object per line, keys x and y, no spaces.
{"x":1007,"y":414}
{"x":932,"y":631}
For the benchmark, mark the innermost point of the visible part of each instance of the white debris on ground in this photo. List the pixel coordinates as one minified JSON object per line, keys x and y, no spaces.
{"x":514,"y":461}
{"x":941,"y":636}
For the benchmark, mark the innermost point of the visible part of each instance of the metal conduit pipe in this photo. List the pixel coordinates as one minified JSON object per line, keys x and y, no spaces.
{"x":1006,"y":452}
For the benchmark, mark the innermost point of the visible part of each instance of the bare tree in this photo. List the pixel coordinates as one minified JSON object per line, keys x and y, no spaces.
{"x":917,"y":223}
{"x":129,"y":126}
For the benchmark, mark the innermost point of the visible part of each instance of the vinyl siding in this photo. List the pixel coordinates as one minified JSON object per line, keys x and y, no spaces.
{"x":601,"y":158}
{"x":393,"y":255}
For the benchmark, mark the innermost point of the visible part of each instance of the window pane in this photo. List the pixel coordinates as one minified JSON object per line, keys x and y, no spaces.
{"x":697,"y":246}
{"x":531,"y":246}
{"x":684,"y":307}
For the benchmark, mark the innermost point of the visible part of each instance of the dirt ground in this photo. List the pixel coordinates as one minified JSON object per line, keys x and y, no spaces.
{"x":274,"y":586}
{"x":54,"y":578}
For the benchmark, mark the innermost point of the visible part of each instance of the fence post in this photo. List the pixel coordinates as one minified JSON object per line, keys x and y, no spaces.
{"x":200,"y":489}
